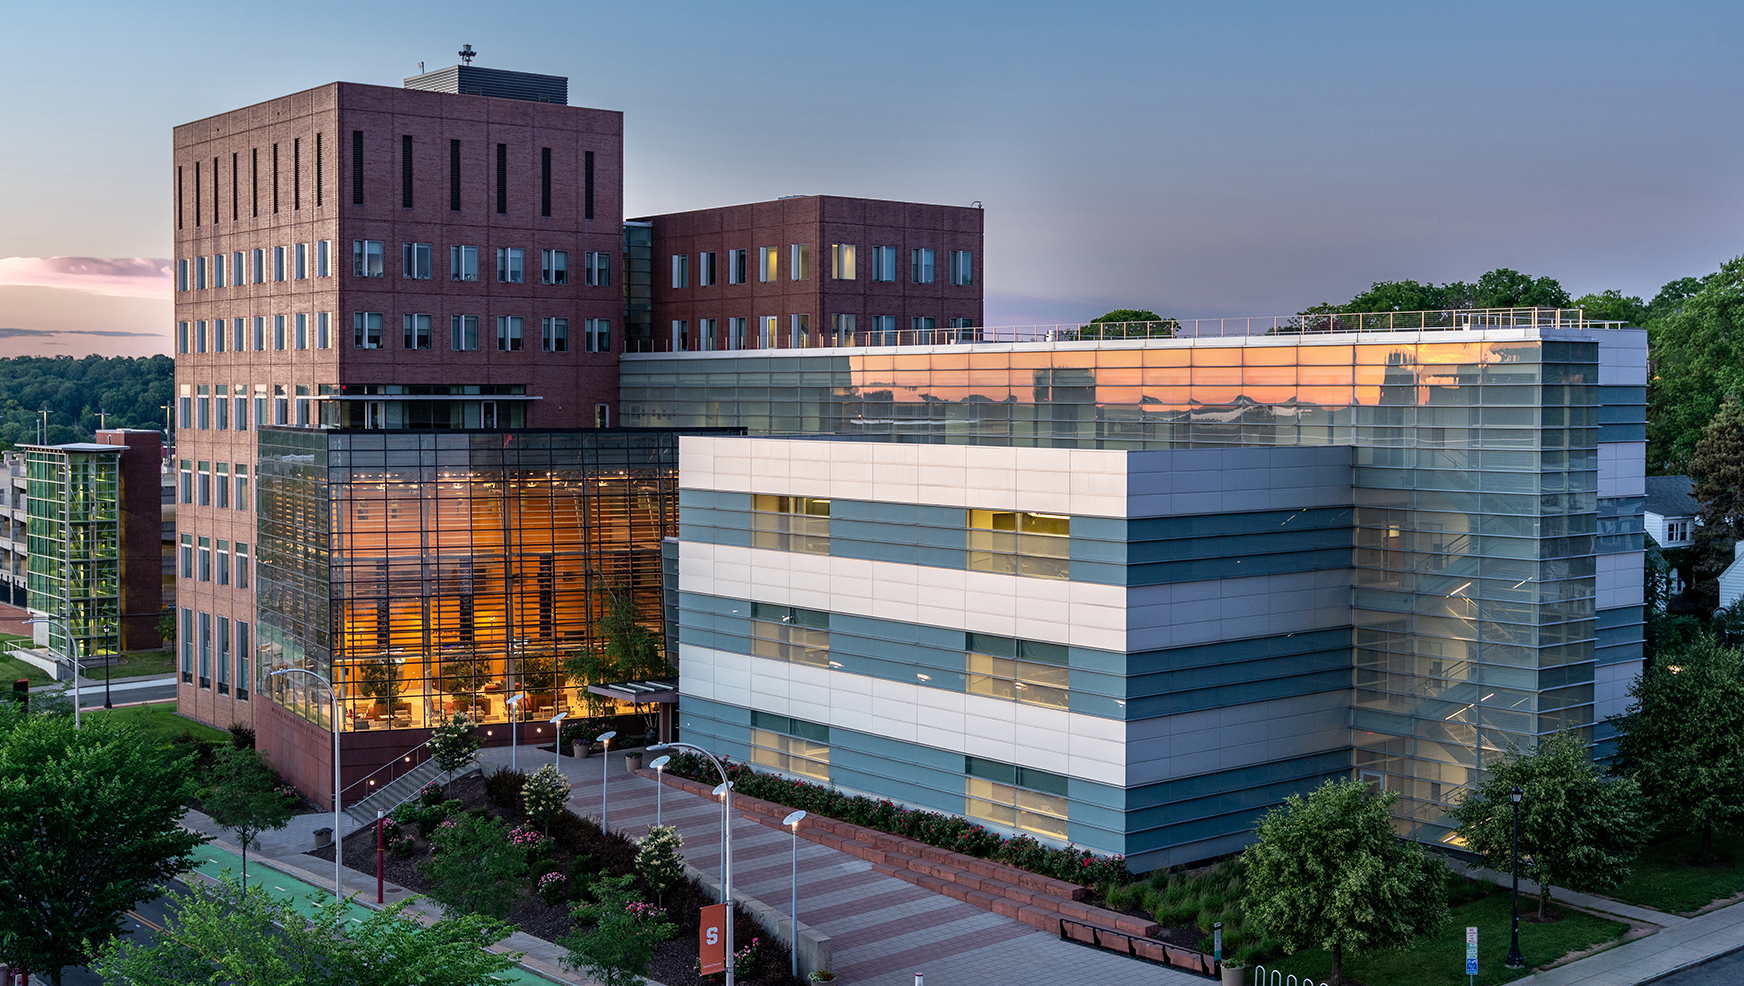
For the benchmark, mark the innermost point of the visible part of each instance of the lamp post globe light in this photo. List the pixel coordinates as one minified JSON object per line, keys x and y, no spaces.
{"x":1515,"y":960}
{"x":557,"y":739}
{"x":72,"y":655}
{"x":792,"y":822}
{"x":659,"y":766}
{"x":725,"y":793}
{"x":338,"y":835}
{"x":605,"y":739}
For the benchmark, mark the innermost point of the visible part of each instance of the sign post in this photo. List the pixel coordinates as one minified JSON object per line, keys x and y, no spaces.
{"x":1471,"y":952}
{"x":1217,"y":942}
{"x":713,"y":939}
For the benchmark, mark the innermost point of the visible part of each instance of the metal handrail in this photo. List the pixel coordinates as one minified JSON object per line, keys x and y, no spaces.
{"x":1136,"y":947}
{"x":398,"y":759}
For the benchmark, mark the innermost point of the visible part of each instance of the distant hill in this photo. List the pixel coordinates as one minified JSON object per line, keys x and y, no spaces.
{"x":132,"y":390}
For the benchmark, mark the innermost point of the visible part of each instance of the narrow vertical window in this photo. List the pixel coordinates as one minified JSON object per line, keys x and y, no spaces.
{"x":214,"y":191}
{"x":318,"y":175}
{"x":182,"y":274}
{"x":545,"y":181}
{"x":454,"y":176}
{"x":275,"y":178}
{"x":196,"y":195}
{"x":357,"y":167}
{"x":296,"y":174}
{"x":502,"y":179}
{"x":587,"y":187}
{"x":254,"y":182}
{"x":406,"y":171}
{"x":179,"y":194}
{"x":799,"y":267}
{"x":235,"y":182}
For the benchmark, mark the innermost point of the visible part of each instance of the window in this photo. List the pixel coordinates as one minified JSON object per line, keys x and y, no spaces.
{"x":242,"y":504}
{"x":790,"y":523}
{"x":510,"y":261}
{"x":223,"y":654}
{"x":417,"y":331}
{"x":842,"y":329}
{"x":302,"y":406}
{"x":509,"y":333}
{"x":182,"y":275}
{"x":598,"y":335}
{"x":587,"y":185}
{"x":791,"y":745}
{"x":1015,"y":797}
{"x":242,"y":567}
{"x":417,"y":260}
{"x":799,"y":331}
{"x":366,"y":258}
{"x":957,"y":333}
{"x":681,"y":270}
{"x":406,"y":171}
{"x":1677,"y":531}
{"x":554,"y":335}
{"x":302,"y":330}
{"x":259,"y":333}
{"x":502,"y":179}
{"x":705,"y":334}
{"x":736,"y":262}
{"x":187,"y":556}
{"x":187,"y":646}
{"x":766,"y":261}
{"x":1020,"y":543}
{"x":922,"y":326}
{"x":680,"y":335}
{"x":883,"y":263}
{"x":259,"y":408}
{"x":323,"y":258}
{"x":787,"y":633}
{"x":463,"y":332}
{"x":962,"y":267}
{"x":454,"y":176}
{"x":921,"y":266}
{"x":323,"y":331}
{"x":599,"y":269}
{"x":463,"y":263}
{"x":842,"y":261}
{"x":238,"y":334}
{"x":302,"y":268}
{"x":238,"y":275}
{"x":554,"y":266}
{"x":205,"y":650}
{"x":278,"y":262}
{"x":799,"y":262}
{"x":205,"y":558}
{"x":769,"y":330}
{"x":221,"y":412}
{"x":705,"y":269}
{"x":257,"y":266}
{"x":218,"y":267}
{"x":241,"y":411}
{"x":200,"y":335}
{"x":736,"y":332}
{"x":281,"y":405}
{"x":366,"y":330}
{"x":544,"y":181}
{"x":223,"y":562}
{"x":204,"y":404}
{"x":357,"y":167}
{"x":602,"y":413}
{"x":278,"y":332}
{"x":199,"y":273}
{"x":242,"y":678}
{"x":181,"y":337}
{"x":1017,"y":670}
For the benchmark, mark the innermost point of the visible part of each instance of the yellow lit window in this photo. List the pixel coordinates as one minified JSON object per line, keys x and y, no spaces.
{"x":1012,"y":807}
{"x":790,"y":523}
{"x":1018,"y":542}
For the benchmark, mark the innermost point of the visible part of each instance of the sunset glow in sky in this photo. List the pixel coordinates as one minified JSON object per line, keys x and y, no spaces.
{"x":1195,"y":159}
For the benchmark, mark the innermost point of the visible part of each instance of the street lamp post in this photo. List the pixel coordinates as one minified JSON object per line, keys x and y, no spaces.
{"x":557,"y":740}
{"x":792,"y":822}
{"x":514,"y":733}
{"x":73,"y":653}
{"x":338,"y":837}
{"x":1515,"y":960}
{"x":605,"y":739}
{"x":659,"y":766}
{"x":726,"y":793}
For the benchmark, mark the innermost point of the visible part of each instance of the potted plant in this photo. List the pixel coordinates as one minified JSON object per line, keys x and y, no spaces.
{"x":1234,"y":973}
{"x":821,"y":976}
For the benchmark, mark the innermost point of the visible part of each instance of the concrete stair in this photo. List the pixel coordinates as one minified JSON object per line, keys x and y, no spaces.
{"x":387,"y":797}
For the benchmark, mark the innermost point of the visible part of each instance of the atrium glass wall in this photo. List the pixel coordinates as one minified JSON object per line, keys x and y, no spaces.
{"x":73,"y":530}
{"x":1476,"y":490}
{"x":444,"y":572}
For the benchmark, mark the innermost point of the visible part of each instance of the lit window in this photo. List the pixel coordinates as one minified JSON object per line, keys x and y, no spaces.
{"x":1020,"y":543}
{"x":787,"y":633}
{"x":417,"y":331}
{"x":1015,"y":797}
{"x":790,"y":523}
{"x":366,"y":330}
{"x":416,"y":257}
{"x":790,"y":745}
{"x":799,"y":262}
{"x":463,"y":263}
{"x":366,"y":258}
{"x":842,"y":261}
{"x":511,"y":265}
{"x":767,"y":257}
{"x":1017,"y":670}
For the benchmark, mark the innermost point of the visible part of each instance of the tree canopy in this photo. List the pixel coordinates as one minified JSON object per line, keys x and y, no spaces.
{"x":1499,"y":288}
{"x":1717,"y":468}
{"x":247,"y":798}
{"x":1128,"y":315}
{"x":132,"y":390}
{"x":1698,"y":362}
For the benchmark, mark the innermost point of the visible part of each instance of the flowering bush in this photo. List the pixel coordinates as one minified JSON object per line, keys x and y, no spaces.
{"x":430,"y":794}
{"x":543,"y":795}
{"x":744,"y":963}
{"x":530,"y":839}
{"x":644,"y":911}
{"x":553,"y":888}
{"x":1069,"y":863}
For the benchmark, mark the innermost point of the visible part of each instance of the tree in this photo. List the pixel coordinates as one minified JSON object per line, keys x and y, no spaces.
{"x":166,"y":627}
{"x":1504,"y":288}
{"x":226,"y":936}
{"x":658,"y":860}
{"x":1682,"y":738}
{"x":1698,"y":362}
{"x":454,"y":743}
{"x":131,"y":390}
{"x":1499,"y":288}
{"x":1614,"y":306}
{"x":88,"y":826}
{"x":620,"y":948}
{"x":1577,"y":829}
{"x":247,"y":798}
{"x":544,"y":795}
{"x":1327,"y":870}
{"x":1718,"y":471}
{"x":473,"y":869}
{"x":1154,"y":326}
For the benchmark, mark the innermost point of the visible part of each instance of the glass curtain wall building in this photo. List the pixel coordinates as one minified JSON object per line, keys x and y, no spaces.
{"x":431,"y":573}
{"x":1496,"y":563}
{"x":74,"y":536}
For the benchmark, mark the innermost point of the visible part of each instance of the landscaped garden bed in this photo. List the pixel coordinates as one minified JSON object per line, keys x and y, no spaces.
{"x":544,"y":875}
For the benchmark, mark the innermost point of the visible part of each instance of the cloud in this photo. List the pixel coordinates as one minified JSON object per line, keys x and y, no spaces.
{"x":7,"y":332}
{"x":126,"y":277}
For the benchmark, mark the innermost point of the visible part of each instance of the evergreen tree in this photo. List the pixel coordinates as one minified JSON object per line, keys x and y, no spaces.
{"x":1717,"y":467}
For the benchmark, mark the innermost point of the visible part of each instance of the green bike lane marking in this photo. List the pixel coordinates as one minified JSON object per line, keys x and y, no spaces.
{"x":213,"y":861}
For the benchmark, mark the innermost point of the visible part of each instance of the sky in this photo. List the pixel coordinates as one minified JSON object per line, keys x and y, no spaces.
{"x":1196,"y":159}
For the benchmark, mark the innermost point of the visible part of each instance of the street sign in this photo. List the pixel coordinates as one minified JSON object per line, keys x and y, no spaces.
{"x":1471,"y":951}
{"x":1217,"y":942}
{"x":713,"y":939}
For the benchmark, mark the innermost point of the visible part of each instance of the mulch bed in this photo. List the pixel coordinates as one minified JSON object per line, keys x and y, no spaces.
{"x":674,"y":960}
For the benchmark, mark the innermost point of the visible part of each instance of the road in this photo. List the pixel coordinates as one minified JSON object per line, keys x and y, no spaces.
{"x":141,"y":922}
{"x":155,"y":689}
{"x":1724,"y":971}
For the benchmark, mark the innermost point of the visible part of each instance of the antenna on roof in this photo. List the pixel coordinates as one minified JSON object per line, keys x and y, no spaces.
{"x":467,"y":54}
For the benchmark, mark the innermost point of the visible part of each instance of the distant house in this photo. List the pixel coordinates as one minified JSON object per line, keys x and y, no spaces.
{"x":1671,"y":510}
{"x":1732,"y":579}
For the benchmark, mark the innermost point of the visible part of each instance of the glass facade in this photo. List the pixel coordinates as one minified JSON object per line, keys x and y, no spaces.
{"x":436,"y":572}
{"x":1475,"y":490}
{"x":73,"y":531}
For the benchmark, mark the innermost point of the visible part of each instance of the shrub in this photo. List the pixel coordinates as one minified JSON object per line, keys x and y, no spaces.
{"x":620,"y":948}
{"x":473,"y":868}
{"x":658,"y":862}
{"x":503,"y":788}
{"x":241,"y":736}
{"x":544,"y":794}
{"x":553,"y":888}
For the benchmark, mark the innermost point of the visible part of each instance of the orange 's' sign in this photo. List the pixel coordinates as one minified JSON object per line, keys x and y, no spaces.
{"x":713,"y":939}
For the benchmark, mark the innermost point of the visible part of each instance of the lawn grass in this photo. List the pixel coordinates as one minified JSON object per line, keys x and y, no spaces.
{"x":159,"y":722}
{"x":1661,"y":882}
{"x":139,"y":664}
{"x":11,"y":669}
{"x":1439,"y":959}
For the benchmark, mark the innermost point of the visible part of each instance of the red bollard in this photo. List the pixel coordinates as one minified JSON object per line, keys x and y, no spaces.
{"x":378,"y":855}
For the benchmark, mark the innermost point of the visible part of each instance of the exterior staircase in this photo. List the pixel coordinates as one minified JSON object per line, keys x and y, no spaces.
{"x":387,"y":797}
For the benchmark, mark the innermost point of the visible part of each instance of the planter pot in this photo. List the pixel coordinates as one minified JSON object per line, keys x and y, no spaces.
{"x":1234,"y":975}
{"x":632,"y":762}
{"x":821,"y":976}
{"x":583,"y":750}
{"x":323,"y":838}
